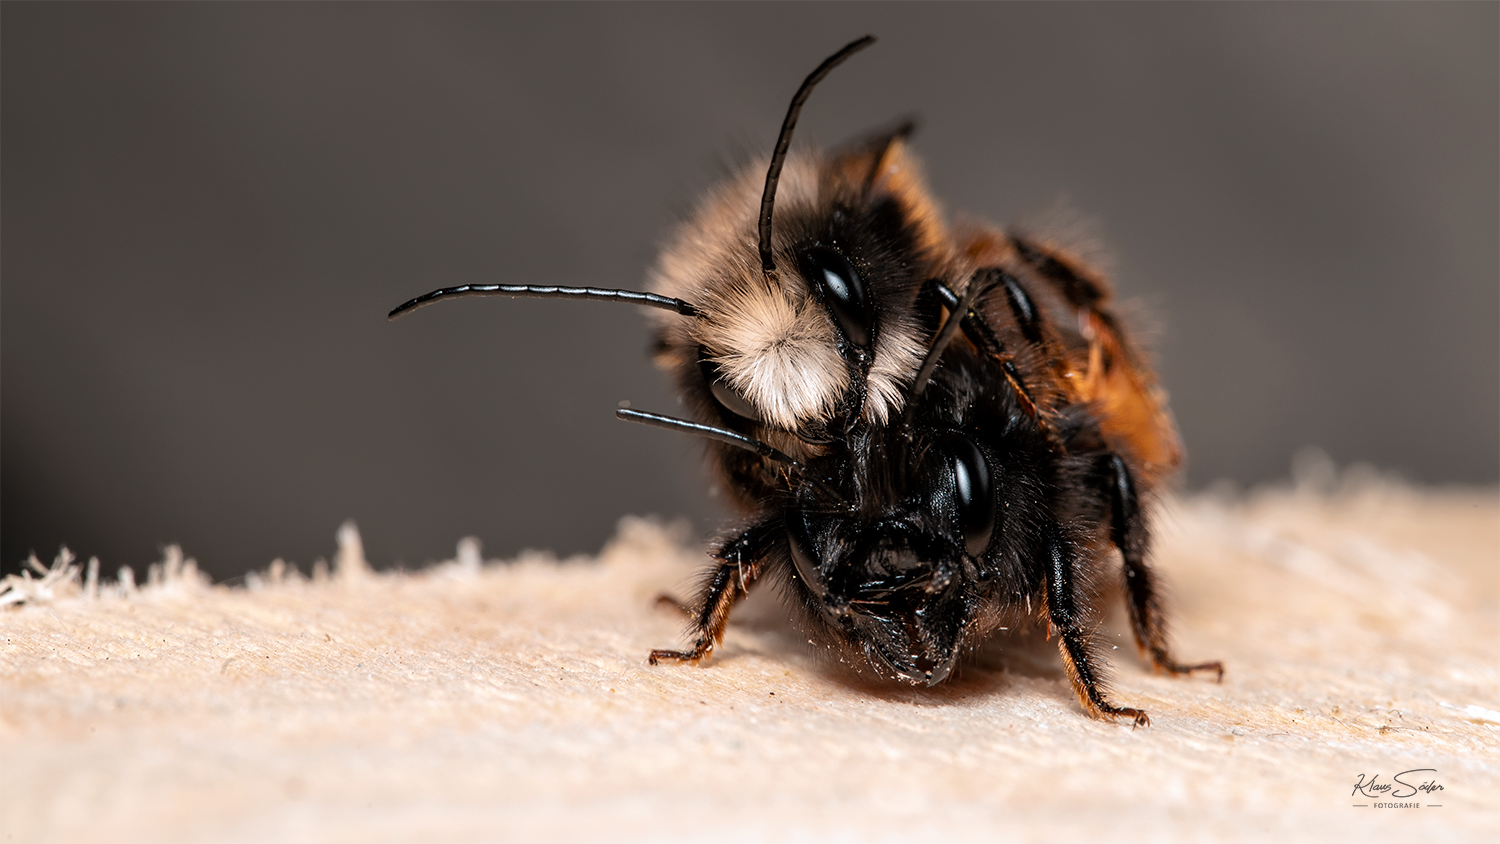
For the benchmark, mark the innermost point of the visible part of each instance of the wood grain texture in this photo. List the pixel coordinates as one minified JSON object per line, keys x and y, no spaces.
{"x":1358,"y":624}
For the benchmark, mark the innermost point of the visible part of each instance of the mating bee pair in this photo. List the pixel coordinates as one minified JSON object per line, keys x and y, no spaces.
{"x":933,"y":433}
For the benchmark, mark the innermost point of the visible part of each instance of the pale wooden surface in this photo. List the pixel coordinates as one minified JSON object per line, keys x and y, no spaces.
{"x":513,"y":702}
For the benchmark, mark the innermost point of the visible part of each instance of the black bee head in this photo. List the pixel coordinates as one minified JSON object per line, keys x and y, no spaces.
{"x":896,"y":575}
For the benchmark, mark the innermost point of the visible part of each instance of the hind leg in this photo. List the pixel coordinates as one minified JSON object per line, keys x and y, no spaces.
{"x":1127,"y":530}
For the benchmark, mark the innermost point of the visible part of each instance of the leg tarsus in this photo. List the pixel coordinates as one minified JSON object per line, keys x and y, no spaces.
{"x":1138,"y":717}
{"x":1164,"y":664}
{"x":1087,"y":685}
{"x":700,"y":650}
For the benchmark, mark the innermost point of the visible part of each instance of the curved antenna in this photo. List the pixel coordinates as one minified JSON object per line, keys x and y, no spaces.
{"x":784,"y":141}
{"x":950,"y":327}
{"x":723,"y":435}
{"x":545,"y":291}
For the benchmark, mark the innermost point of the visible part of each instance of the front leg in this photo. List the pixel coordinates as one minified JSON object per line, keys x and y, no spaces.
{"x":739,"y":567}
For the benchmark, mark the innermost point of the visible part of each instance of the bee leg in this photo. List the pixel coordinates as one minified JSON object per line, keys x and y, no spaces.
{"x":671,"y":602}
{"x":725,"y":587}
{"x":1074,"y":641}
{"x":1128,"y":532}
{"x":739,"y":566}
{"x":983,"y":336}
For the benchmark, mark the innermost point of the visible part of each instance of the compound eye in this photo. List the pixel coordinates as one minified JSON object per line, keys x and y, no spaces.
{"x":843,"y":292}
{"x":973,"y":491}
{"x":724,"y":394}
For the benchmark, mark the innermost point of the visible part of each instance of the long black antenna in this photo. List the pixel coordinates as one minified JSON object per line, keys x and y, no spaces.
{"x":723,"y":435}
{"x":540,"y":291}
{"x":950,"y":327}
{"x":784,"y":141}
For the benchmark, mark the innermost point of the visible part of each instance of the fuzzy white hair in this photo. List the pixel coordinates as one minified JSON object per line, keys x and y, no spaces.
{"x":774,"y":342}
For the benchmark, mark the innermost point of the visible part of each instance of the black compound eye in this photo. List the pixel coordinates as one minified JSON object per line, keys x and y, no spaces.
{"x":973,"y":490}
{"x":723,"y":393}
{"x":843,"y":292}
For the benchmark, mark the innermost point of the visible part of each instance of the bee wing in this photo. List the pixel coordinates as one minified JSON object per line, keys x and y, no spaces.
{"x":879,"y":166}
{"x":858,"y":163}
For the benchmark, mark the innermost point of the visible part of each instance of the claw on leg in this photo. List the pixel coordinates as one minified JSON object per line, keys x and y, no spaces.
{"x":1138,"y":718}
{"x":700,"y":651}
{"x":1165,"y":664}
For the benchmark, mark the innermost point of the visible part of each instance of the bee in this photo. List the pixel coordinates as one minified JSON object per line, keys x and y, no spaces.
{"x":933,"y":432}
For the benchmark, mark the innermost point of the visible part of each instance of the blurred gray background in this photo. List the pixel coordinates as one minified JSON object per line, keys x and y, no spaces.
{"x":208,"y":209}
